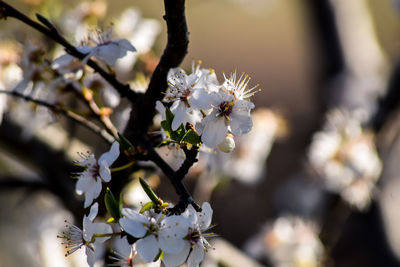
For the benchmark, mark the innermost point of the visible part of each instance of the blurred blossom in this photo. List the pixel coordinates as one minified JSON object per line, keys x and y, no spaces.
{"x":288,"y":241}
{"x":73,"y":22}
{"x":344,"y":155}
{"x":246,"y":162}
{"x":142,"y":33}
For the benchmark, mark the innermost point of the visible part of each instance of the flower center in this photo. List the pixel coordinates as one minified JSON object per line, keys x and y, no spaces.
{"x":225,"y":109}
{"x":194,"y":236}
{"x":95,"y":171}
{"x":184,"y":97}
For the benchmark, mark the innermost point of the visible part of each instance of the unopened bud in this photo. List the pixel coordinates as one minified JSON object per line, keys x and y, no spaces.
{"x":87,"y":93}
{"x":228,"y":144}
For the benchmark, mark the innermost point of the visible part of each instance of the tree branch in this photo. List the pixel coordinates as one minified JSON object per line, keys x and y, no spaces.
{"x":50,"y":31}
{"x":67,"y":113}
{"x":172,"y":57}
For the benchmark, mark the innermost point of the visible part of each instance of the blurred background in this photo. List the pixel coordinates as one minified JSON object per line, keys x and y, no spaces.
{"x":315,"y":183}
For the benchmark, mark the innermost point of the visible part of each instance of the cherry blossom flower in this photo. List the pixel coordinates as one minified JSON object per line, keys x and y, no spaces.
{"x":288,"y":241}
{"x":105,"y":49}
{"x":75,"y":238}
{"x":144,"y":227}
{"x":346,"y":158}
{"x":195,"y":242}
{"x":96,"y":172}
{"x":187,"y":96}
{"x":228,"y":115}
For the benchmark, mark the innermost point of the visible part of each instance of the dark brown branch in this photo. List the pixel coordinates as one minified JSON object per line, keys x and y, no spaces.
{"x":174,"y":177}
{"x":9,"y":11}
{"x":172,"y":57}
{"x":138,"y":126}
{"x":190,"y":159}
{"x":67,"y":113}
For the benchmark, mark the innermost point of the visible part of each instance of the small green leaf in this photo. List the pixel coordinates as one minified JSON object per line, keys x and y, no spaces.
{"x":113,"y":207}
{"x":166,"y":125}
{"x":192,"y":138}
{"x":159,"y":255}
{"x":125,"y":144}
{"x":149,"y":192}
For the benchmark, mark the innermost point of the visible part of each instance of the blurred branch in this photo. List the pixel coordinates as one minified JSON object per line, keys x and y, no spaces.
{"x":67,"y":113}
{"x":14,"y":182}
{"x":50,"y":31}
{"x":53,"y":165}
{"x":96,"y":111}
{"x":388,"y":103}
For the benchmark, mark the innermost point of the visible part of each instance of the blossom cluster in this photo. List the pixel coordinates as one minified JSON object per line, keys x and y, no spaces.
{"x":217,"y":111}
{"x":288,"y":241}
{"x":174,"y":239}
{"x":344,"y":155}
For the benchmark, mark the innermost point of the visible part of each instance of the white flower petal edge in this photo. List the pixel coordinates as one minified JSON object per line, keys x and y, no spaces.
{"x":133,"y":223}
{"x":173,"y":260}
{"x":147,"y":248}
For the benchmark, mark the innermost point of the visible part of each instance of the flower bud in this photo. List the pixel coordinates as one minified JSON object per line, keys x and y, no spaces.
{"x":228,"y":144}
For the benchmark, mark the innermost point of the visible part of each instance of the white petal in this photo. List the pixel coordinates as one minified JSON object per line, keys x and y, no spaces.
{"x":204,"y":217}
{"x":110,"y":156}
{"x":179,"y":113}
{"x":122,"y":246}
{"x":105,"y":172}
{"x":93,"y":211}
{"x":89,"y":186}
{"x":196,"y":256}
{"x":199,"y":99}
{"x":172,"y":260}
{"x":90,"y":258}
{"x":101,"y":228}
{"x":125,"y":46}
{"x":161,"y":109}
{"x":83,"y":184}
{"x":241,"y":122}
{"x":133,"y":223}
{"x":174,"y":229}
{"x":62,"y":61}
{"x":108,"y":53}
{"x":147,"y":248}
{"x":214,"y":132}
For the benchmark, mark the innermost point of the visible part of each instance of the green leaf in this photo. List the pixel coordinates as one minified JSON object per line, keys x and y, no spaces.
{"x":125,"y":144}
{"x":192,"y":138}
{"x":113,"y":207}
{"x":167,"y":126}
{"x":159,"y":255}
{"x":149,"y":192}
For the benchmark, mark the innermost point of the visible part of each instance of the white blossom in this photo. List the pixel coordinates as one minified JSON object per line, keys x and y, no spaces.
{"x":105,"y":49}
{"x":90,"y":180}
{"x":228,"y":115}
{"x":75,"y":238}
{"x":144,"y":227}
{"x":195,"y":242}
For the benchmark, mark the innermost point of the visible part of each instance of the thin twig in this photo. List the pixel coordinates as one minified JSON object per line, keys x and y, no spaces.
{"x":174,"y":177}
{"x":8,"y":11}
{"x":67,"y":113}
